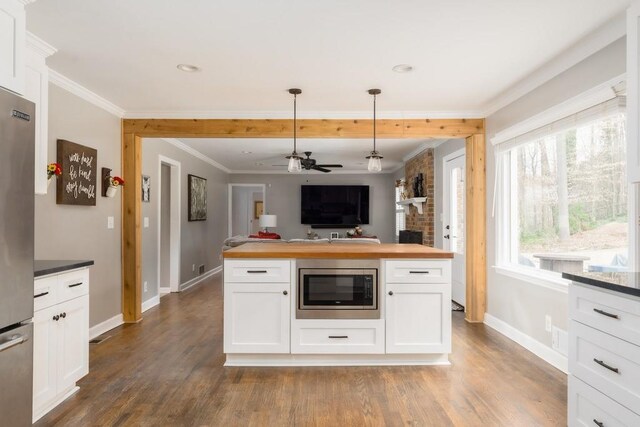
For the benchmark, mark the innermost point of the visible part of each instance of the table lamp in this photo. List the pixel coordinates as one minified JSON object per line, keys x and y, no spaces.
{"x":267,"y":221}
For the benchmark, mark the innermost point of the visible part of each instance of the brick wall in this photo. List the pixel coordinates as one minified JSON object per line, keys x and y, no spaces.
{"x":422,"y":163}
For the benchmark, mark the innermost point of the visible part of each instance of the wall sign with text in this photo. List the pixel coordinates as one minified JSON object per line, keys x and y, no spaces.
{"x":77,"y":184}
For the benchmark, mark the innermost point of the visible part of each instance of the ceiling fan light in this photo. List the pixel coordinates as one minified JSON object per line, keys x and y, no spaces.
{"x":375,"y":165}
{"x":294,"y":164}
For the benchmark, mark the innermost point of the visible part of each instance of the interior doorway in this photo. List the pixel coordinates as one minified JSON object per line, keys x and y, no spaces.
{"x":246,"y":203}
{"x":454,"y":209}
{"x":169,"y":203}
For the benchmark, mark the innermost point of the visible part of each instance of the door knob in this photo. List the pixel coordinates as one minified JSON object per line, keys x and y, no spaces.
{"x":390,"y":292}
{"x":285,"y":293}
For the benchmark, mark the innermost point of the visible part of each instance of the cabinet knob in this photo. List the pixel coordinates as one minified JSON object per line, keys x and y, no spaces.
{"x":56,"y":317}
{"x":390,"y":292}
{"x":285,"y":293}
{"x":63,"y":315}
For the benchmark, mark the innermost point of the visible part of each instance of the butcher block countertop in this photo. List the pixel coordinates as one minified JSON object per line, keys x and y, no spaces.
{"x":335,"y":250}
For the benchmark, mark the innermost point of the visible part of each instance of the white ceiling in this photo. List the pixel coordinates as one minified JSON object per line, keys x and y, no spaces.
{"x":465,"y":52}
{"x":265,"y":153}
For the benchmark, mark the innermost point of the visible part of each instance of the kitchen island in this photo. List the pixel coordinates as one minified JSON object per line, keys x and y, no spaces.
{"x":330,"y":304}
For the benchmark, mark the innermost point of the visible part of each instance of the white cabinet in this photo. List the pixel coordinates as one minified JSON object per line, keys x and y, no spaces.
{"x":60,"y":338}
{"x":12,"y":45}
{"x":256,"y":317}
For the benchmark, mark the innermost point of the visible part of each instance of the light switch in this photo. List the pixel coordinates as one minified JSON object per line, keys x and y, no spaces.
{"x":109,"y":222}
{"x":146,"y":222}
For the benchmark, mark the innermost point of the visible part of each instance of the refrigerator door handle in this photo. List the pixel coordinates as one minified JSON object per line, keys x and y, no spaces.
{"x":15,"y":340}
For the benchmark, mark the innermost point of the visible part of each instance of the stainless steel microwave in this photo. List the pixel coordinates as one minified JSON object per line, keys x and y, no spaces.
{"x":337,"y":289}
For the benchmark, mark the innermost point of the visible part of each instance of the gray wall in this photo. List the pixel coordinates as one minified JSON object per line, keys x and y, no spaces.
{"x":80,"y":232}
{"x":440,"y":152}
{"x":201,"y":241}
{"x":283,"y":200}
{"x":521,"y":304}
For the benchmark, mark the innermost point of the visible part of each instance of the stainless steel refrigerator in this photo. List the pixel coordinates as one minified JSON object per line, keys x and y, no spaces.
{"x":17,"y":147}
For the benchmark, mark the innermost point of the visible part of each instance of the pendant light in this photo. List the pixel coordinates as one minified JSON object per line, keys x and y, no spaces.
{"x":374,"y":158}
{"x":294,"y":158}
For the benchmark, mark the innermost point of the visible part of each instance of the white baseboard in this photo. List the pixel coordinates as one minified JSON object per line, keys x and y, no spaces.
{"x":164,"y":291}
{"x":105,"y":326}
{"x":186,"y":285}
{"x":150,"y":303}
{"x":544,"y":352}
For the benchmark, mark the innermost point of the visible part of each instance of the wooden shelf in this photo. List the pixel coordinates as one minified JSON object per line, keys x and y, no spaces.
{"x":415,"y":201}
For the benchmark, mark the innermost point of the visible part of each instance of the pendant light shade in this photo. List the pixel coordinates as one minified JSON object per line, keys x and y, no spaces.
{"x":294,"y":159}
{"x":375,"y":165}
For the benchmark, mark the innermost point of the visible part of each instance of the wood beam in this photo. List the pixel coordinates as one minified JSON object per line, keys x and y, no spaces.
{"x":475,"y":245}
{"x":307,"y":128}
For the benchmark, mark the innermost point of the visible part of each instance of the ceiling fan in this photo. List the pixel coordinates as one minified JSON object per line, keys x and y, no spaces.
{"x":309,"y":164}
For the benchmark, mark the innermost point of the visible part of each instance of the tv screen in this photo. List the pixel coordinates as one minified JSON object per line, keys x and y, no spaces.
{"x":334,"y":205}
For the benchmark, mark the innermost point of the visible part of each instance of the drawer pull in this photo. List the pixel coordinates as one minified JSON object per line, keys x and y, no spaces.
{"x":598,"y":423}
{"x":604,"y":365}
{"x":339,"y":336}
{"x":41,"y":295}
{"x":256,"y":271}
{"x":418,"y":272}
{"x":75,"y":284}
{"x":604,"y":313}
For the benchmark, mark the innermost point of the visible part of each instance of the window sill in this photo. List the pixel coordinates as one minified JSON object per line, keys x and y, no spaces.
{"x":548,"y":281}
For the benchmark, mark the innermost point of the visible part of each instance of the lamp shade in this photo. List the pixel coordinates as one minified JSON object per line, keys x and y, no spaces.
{"x":268,"y":221}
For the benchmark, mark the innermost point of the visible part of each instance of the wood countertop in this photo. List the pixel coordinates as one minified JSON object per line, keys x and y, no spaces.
{"x":335,"y":250}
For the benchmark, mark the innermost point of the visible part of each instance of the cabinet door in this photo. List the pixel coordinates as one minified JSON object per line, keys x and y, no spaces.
{"x":73,"y":342}
{"x":37,"y":91}
{"x":633,"y":92}
{"x":418,"y":318}
{"x":256,"y":317}
{"x":12,"y":45}
{"x":45,"y":358}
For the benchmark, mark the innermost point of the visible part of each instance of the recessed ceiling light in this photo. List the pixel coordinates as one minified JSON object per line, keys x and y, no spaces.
{"x":402,"y":68}
{"x":188,"y":68}
{"x":246,"y":152}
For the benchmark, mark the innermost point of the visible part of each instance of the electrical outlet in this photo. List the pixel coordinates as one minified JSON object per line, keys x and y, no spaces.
{"x":560,"y":341}
{"x":145,"y":286}
{"x":146,"y":222}
{"x":109,"y":222}
{"x":201,"y":269}
{"x":193,"y":267}
{"x":547,"y":323}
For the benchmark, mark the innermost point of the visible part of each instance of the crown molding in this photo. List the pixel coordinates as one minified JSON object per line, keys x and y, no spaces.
{"x":306,"y":172}
{"x":422,"y":147}
{"x":195,"y":153}
{"x":40,"y":46}
{"x":608,"y":33}
{"x":26,"y":2}
{"x":84,"y":93}
{"x":472,"y":114}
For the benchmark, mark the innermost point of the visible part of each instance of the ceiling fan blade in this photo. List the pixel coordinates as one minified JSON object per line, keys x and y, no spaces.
{"x":330,"y":166}
{"x":321,"y":169}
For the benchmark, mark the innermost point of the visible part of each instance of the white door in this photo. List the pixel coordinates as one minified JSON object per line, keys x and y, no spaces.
{"x":74,"y":336}
{"x":453,"y":221}
{"x":45,"y":357}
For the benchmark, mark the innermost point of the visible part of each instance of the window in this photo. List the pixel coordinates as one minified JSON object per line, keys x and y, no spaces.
{"x":400,"y":217}
{"x":563,"y":196}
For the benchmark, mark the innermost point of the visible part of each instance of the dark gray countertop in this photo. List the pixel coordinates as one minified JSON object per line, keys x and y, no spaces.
{"x":625,"y":283}
{"x":44,"y":267}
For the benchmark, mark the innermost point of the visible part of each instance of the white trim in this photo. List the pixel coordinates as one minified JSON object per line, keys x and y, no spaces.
{"x":611,"y":31}
{"x":175,"y":225}
{"x":105,"y":326}
{"x":594,"y":96}
{"x":44,"y":411}
{"x":217,"y":114}
{"x":533,"y":277}
{"x":189,"y":283}
{"x":150,"y":303}
{"x":423,"y":147}
{"x":544,"y":352}
{"x":84,"y":93}
{"x":40,"y":46}
{"x":230,"y":202}
{"x":195,"y":153}
{"x":336,"y":359}
{"x":164,"y":291}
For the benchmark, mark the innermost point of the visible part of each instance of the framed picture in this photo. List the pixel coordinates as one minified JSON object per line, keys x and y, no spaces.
{"x":146,"y":188}
{"x":258,"y":209}
{"x":77,"y":184}
{"x":197,"y":198}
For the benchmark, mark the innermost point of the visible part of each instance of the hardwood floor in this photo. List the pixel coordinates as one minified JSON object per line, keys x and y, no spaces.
{"x":167,"y":371}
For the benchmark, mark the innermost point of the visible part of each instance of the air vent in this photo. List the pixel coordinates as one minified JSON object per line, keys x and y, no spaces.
{"x":201,"y":269}
{"x":99,"y":340}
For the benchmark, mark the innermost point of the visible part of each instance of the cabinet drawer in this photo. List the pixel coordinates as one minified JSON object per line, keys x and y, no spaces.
{"x":257,"y":271}
{"x":73,"y":284}
{"x":607,"y":363}
{"x":587,"y":407}
{"x":616,"y":315}
{"x":338,"y":337}
{"x":408,"y":271}
{"x":45,"y":292}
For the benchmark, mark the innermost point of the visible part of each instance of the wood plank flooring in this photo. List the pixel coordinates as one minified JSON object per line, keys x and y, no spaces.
{"x":168,"y":371}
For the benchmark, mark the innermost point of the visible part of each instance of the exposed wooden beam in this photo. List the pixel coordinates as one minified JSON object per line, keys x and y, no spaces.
{"x":307,"y":128}
{"x":475,"y":239}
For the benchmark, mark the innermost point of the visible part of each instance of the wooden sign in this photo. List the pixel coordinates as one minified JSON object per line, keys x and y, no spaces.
{"x":77,"y":184}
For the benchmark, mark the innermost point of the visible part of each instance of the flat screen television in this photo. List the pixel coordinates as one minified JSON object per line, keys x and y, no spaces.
{"x":334,"y":206}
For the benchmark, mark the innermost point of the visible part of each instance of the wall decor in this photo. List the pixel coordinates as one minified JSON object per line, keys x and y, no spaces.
{"x":197,"y":198}
{"x":146,"y":188}
{"x":77,"y":184}
{"x":258,"y":209}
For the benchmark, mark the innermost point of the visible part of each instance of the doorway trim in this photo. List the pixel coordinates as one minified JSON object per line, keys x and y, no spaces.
{"x":230,"y":203}
{"x":174,"y":226}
